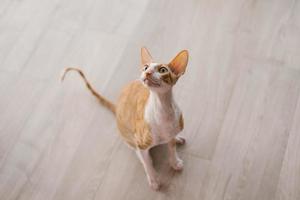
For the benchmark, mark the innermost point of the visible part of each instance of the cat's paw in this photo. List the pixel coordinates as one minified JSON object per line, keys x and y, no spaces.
{"x":177,"y":165}
{"x":180,"y":140}
{"x":154,"y":183}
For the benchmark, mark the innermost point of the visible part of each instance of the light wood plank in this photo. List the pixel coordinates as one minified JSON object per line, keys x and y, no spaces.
{"x":116,"y":16}
{"x":13,"y":99}
{"x":289,"y":181}
{"x":254,"y":135}
{"x":24,"y":23}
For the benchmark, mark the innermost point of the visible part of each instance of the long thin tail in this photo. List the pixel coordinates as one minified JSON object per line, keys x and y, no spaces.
{"x":101,"y":99}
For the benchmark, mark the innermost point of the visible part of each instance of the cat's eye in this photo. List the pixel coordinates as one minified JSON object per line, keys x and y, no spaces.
{"x":146,"y":67}
{"x":163,"y":70}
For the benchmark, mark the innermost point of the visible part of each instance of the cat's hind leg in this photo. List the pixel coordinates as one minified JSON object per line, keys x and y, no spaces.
{"x":175,"y":162}
{"x":151,"y":174}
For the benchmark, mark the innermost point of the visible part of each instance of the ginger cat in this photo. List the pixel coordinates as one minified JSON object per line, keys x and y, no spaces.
{"x":146,"y":112}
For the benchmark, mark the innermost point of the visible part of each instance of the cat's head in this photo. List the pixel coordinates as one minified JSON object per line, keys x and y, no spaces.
{"x":161,"y":77}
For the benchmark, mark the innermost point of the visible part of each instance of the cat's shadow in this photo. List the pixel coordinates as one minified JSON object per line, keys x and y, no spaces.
{"x":160,"y":162}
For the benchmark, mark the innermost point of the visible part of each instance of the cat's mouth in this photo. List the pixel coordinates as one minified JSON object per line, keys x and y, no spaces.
{"x":150,"y":82}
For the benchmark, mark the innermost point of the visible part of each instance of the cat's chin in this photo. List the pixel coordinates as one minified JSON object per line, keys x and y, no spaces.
{"x":150,"y":83}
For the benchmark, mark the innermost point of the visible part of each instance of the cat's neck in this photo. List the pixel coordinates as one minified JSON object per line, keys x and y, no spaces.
{"x":162,"y":100}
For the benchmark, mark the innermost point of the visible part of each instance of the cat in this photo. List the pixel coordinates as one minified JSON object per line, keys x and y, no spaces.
{"x":146,"y":112}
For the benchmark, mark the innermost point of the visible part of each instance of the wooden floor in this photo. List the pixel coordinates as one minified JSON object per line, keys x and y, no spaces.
{"x":240,"y":98}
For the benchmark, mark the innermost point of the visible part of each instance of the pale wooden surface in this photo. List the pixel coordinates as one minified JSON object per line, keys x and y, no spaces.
{"x":240,"y":98}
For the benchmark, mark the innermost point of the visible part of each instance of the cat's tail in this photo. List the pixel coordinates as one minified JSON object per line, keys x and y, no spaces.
{"x":101,"y":99}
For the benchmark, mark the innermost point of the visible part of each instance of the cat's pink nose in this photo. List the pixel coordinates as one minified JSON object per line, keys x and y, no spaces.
{"x":147,"y":74}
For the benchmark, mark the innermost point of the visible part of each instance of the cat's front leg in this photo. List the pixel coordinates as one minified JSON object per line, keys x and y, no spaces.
{"x":175,"y":162}
{"x":151,"y":174}
{"x":180,"y":140}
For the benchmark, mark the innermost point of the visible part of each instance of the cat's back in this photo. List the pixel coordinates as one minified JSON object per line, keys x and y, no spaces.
{"x":130,"y":115}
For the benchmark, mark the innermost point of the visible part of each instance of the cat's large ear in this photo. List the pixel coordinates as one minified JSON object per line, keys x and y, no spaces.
{"x":145,"y":56}
{"x":179,"y":63}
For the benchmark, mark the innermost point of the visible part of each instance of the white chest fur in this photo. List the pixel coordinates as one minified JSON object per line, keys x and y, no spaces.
{"x":162,"y":114}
